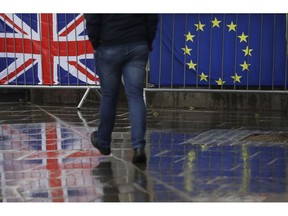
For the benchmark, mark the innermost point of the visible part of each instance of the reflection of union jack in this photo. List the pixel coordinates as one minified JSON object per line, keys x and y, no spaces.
{"x":54,"y":151}
{"x":45,"y":49}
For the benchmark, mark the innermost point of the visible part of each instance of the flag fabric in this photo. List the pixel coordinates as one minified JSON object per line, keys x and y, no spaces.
{"x":224,"y":50}
{"x":45,"y":49}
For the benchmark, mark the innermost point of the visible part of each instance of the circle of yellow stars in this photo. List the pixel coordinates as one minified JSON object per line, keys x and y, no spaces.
{"x":216,"y":24}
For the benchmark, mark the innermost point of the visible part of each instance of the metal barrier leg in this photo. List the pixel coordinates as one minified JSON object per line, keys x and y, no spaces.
{"x":83,"y":98}
{"x":144,"y":97}
{"x":97,"y":92}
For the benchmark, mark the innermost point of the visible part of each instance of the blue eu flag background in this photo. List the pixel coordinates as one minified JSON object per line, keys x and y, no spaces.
{"x":226,"y":50}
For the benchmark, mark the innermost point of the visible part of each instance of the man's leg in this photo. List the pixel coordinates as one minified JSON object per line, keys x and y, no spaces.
{"x":134,"y":74}
{"x":108,"y":67}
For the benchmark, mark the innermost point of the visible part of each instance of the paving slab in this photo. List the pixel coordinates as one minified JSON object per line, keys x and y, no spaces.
{"x":193,"y":156}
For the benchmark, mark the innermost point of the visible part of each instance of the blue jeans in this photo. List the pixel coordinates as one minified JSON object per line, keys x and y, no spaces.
{"x":113,"y":62}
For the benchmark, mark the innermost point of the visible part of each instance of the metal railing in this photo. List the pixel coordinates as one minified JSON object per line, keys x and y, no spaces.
{"x":192,"y":52}
{"x":46,"y":51}
{"x":220,"y":53}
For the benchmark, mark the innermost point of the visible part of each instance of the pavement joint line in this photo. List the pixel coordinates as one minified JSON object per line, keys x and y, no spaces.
{"x":179,"y":193}
{"x":62,"y":122}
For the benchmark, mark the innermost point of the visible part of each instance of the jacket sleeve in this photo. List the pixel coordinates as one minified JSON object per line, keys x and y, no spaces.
{"x":151,"y":23}
{"x":93,"y":22}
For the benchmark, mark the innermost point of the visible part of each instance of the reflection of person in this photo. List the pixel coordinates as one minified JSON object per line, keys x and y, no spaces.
{"x":103,"y":172}
{"x":112,"y":188}
{"x":140,"y":179}
{"x":122,"y":43}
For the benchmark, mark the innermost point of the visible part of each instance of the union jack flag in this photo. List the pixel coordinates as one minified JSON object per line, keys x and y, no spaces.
{"x":45,"y":49}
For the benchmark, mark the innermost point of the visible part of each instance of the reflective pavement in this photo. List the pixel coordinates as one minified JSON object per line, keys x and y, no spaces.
{"x":193,"y":156}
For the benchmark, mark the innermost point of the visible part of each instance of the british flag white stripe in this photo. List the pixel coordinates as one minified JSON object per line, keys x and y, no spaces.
{"x":38,"y":39}
{"x":21,"y":29}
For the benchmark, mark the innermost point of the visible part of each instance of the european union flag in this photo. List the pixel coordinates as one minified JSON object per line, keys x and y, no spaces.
{"x":224,"y":50}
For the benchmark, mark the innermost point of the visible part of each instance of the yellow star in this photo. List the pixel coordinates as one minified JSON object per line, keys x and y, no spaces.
{"x":232,"y":26}
{"x":189,"y":37}
{"x":220,"y":81}
{"x":191,"y":65}
{"x":216,"y":23}
{"x":247,"y":51}
{"x":236,"y":78}
{"x":186,"y":50}
{"x":199,"y":26}
{"x":245,"y":66}
{"x":243,"y":37}
{"x":203,"y":77}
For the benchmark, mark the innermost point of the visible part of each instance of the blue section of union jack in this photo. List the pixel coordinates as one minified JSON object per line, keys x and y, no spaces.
{"x":45,"y":49}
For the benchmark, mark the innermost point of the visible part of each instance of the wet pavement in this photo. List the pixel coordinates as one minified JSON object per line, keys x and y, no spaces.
{"x":193,"y":156}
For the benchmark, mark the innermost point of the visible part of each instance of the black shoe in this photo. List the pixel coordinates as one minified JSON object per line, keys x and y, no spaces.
{"x":139,"y":156}
{"x":94,"y":141}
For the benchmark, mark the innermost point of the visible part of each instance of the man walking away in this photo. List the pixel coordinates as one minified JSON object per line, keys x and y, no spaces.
{"x":122,"y":43}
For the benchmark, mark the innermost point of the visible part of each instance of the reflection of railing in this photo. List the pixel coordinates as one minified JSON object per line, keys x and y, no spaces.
{"x":219,"y":165}
{"x":246,"y":170}
{"x":31,"y":151}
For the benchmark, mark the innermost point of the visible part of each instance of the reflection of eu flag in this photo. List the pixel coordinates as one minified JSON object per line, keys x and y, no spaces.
{"x":220,"y":50}
{"x":207,"y":169}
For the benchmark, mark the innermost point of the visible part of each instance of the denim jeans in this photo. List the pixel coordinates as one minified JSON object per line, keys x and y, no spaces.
{"x":113,"y":62}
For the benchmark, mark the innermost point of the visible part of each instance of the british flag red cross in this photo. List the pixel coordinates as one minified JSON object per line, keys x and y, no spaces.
{"x":45,"y":49}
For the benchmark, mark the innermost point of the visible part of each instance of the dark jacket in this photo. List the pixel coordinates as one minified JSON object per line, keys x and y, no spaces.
{"x":116,"y":29}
